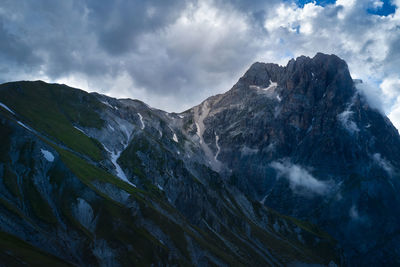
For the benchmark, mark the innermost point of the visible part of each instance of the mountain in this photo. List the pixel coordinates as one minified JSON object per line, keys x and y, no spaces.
{"x":90,"y":180}
{"x":289,"y":167}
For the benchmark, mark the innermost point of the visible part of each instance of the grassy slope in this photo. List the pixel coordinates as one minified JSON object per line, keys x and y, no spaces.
{"x":142,"y":241}
{"x":53,"y":109}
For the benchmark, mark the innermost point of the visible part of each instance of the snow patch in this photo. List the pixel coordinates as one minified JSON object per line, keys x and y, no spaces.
{"x":23,"y":125}
{"x":111,"y":128}
{"x":141,"y":121}
{"x":114,"y":157}
{"x":278,"y":98}
{"x":175,"y":138}
{"x":47,"y":155}
{"x":272,"y":85}
{"x":218,"y":147}
{"x":160,"y":187}
{"x":6,"y":108}
{"x":107,"y":104}
{"x":198,"y":132}
{"x":265,"y":198}
{"x":79,"y":129}
{"x":120,"y":172}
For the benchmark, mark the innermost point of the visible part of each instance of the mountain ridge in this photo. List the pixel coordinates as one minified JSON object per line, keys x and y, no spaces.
{"x":293,"y":138}
{"x":72,"y":205}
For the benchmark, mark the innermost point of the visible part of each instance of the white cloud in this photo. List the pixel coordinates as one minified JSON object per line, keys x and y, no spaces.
{"x":346,"y":120}
{"x":394,"y":115}
{"x":291,"y":17}
{"x":376,"y":4}
{"x":300,"y":180}
{"x":369,"y":43}
{"x":191,"y":59}
{"x":391,"y":86}
{"x":373,"y":94}
{"x":384,"y":164}
{"x":174,"y":55}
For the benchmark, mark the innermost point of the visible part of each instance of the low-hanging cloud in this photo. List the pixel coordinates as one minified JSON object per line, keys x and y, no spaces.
{"x":345,"y":118}
{"x":373,"y":95}
{"x":300,"y":180}
{"x":383,"y":163}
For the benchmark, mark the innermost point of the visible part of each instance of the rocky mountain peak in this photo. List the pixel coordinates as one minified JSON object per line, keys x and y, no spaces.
{"x":317,"y":77}
{"x":305,"y":92}
{"x":301,"y":140}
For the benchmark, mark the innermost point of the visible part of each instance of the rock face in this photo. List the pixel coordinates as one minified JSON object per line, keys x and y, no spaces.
{"x":302,"y":140}
{"x":248,"y":177}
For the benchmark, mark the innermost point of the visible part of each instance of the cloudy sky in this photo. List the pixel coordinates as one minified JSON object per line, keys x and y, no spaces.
{"x":173,"y":54}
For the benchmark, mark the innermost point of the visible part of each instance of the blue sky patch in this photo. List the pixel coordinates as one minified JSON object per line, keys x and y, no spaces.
{"x":387,"y":9}
{"x":301,"y":3}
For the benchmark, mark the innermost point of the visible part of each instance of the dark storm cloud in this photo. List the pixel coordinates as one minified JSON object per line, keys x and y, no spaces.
{"x":173,"y":54}
{"x":15,"y":50}
{"x":119,"y":24}
{"x":51,"y":31}
{"x":165,"y":48}
{"x":79,"y":36}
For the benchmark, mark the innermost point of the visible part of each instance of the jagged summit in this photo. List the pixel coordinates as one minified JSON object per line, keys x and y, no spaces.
{"x":320,"y":71}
